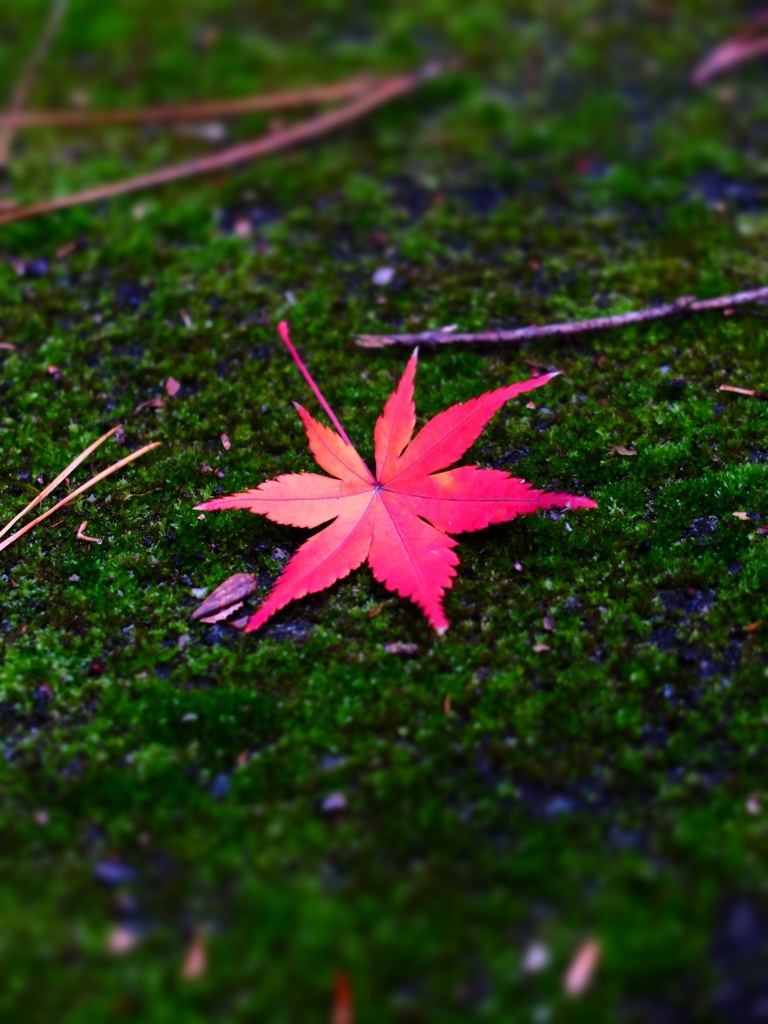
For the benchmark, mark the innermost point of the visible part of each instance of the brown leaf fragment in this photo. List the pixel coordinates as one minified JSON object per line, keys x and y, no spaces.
{"x":447,"y":705}
{"x":172,"y":387}
{"x":582,"y":968}
{"x":342,"y":1008}
{"x":209,"y":620}
{"x":753,"y":626}
{"x":81,"y":535}
{"x":621,"y":450}
{"x":196,"y":960}
{"x":229,"y":593}
{"x":375,"y":610}
{"x":740,"y":515}
{"x":226,"y":443}
{"x":398,"y":647}
{"x":151,"y":403}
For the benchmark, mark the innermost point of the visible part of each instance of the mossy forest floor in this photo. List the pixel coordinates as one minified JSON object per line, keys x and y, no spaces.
{"x":162,"y":779}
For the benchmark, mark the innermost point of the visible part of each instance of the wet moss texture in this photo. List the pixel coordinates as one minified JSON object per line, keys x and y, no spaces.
{"x":306,"y":801}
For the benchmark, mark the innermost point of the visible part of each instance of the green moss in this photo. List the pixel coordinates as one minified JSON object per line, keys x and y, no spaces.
{"x":494,"y":795}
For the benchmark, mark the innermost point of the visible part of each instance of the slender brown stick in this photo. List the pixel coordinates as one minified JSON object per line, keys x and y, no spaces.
{"x":59,"y":479}
{"x":266,"y":103}
{"x":749,"y":392}
{"x":305,"y":131}
{"x":80,"y":490}
{"x":26,"y":81}
{"x":686,"y":304}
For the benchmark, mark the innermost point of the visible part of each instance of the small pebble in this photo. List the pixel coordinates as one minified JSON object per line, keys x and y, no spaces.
{"x":334,"y":803}
{"x":121,"y":940}
{"x":383,"y":276}
{"x":536,"y":958}
{"x":220,"y":787}
{"x":112,"y":872}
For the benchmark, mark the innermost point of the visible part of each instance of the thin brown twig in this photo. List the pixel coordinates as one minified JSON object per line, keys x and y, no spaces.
{"x":685,"y":304}
{"x":26,"y":80}
{"x":389,"y":90}
{"x":60,"y":478}
{"x":749,"y":392}
{"x":80,"y":490}
{"x":264,"y":103}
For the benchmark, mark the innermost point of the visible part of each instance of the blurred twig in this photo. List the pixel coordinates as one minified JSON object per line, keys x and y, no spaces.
{"x":26,"y":80}
{"x":388,"y":90}
{"x":686,"y":304}
{"x":266,"y":103}
{"x":751,"y":42}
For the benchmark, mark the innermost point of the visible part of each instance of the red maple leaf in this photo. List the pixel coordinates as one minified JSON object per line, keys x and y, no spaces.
{"x":399,"y":518}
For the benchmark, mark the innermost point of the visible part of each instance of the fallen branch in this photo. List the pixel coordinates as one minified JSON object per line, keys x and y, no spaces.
{"x":80,"y":490}
{"x":60,"y":478}
{"x":26,"y":81}
{"x":266,"y":103}
{"x":306,"y":131}
{"x":686,"y":304}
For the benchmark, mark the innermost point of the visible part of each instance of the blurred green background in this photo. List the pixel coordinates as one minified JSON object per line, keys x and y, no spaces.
{"x":300,"y":803}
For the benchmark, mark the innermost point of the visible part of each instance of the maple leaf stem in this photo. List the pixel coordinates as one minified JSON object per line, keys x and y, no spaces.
{"x":283,"y":330}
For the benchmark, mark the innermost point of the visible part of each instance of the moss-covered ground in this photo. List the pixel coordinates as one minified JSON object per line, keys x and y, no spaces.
{"x":162,"y":779}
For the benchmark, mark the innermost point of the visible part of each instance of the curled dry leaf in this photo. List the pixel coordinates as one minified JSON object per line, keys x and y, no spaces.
{"x":151,"y":403}
{"x":400,"y":517}
{"x":227,"y":597}
{"x":582,"y":968}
